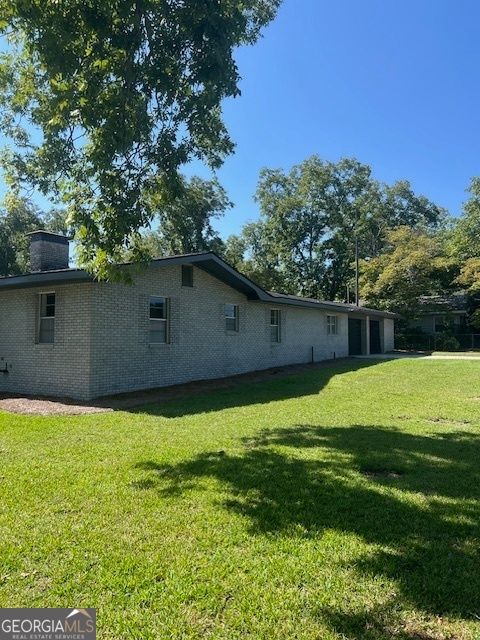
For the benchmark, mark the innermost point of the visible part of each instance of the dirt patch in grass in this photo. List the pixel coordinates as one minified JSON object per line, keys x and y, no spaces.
{"x":381,"y":473}
{"x":47,"y":406}
{"x":461,"y":423}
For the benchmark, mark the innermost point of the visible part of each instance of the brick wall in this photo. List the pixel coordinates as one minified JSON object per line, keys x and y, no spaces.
{"x":62,"y":368}
{"x":48,"y":254}
{"x":102,"y":336}
{"x":200,"y":346}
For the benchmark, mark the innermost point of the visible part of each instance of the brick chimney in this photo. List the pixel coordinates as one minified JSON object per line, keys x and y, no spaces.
{"x":48,"y":251}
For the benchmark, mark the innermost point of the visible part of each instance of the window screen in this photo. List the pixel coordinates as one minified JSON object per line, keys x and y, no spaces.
{"x":275,"y":325}
{"x":159,"y":309}
{"x":46,"y":325}
{"x":332,"y":325}
{"x":231,"y":317}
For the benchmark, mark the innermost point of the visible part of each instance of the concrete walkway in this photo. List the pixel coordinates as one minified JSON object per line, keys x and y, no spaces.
{"x":423,"y":356}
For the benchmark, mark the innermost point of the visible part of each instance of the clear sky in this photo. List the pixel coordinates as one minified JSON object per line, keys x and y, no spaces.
{"x":394,"y":83}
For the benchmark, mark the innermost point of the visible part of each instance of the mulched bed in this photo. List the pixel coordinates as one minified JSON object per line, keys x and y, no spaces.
{"x":46,"y":406}
{"x":39,"y":406}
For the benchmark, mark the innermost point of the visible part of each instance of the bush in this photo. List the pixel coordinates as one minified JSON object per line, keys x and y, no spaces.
{"x":413,"y":341}
{"x":474,"y":319}
{"x":445,"y":342}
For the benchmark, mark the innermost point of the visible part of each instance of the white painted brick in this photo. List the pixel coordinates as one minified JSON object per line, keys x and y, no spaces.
{"x":101,"y":336}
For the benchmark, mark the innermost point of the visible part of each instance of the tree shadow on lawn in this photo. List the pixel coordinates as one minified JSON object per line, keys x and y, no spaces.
{"x":259,"y":387}
{"x":415,"y":496}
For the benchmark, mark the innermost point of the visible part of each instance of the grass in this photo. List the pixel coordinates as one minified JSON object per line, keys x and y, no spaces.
{"x":342,"y":503}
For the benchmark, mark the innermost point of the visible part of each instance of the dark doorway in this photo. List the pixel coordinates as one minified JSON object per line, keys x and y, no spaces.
{"x":354,"y":337}
{"x":375,"y":344}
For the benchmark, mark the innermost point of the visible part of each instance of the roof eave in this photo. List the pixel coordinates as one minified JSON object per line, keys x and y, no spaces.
{"x":209,"y":262}
{"x":45,"y":278}
{"x":330,"y":306}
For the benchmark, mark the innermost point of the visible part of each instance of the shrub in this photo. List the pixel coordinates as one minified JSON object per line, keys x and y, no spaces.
{"x":444,"y":342}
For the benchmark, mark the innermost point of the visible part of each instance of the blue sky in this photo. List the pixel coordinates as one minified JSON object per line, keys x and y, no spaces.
{"x":393,"y":83}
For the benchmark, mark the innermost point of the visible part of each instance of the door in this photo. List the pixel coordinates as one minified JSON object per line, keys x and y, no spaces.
{"x":375,"y":344}
{"x":354,"y":337}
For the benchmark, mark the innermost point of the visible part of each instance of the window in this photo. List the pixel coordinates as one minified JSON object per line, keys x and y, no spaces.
{"x":441,"y":324}
{"x":187,"y":275}
{"x":332,"y":325}
{"x":46,"y":324}
{"x":275,"y":325}
{"x":231,"y":317}
{"x":159,"y":309}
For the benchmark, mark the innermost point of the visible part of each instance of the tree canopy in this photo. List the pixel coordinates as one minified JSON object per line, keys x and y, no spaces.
{"x":413,"y":265}
{"x":313,"y":216}
{"x":19,"y":216}
{"x":185,"y":224}
{"x":465,"y":239}
{"x":117,"y":96}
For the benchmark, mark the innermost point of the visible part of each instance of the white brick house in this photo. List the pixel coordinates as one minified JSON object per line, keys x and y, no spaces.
{"x":184,"y":318}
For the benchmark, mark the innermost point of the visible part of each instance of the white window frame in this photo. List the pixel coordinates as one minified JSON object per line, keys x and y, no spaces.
{"x":235,"y":317}
{"x":332,"y":325}
{"x":41,"y":295}
{"x":277,"y":326}
{"x":165,"y":321}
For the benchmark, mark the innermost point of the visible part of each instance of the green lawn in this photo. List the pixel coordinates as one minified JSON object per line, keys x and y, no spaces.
{"x":342,"y":503}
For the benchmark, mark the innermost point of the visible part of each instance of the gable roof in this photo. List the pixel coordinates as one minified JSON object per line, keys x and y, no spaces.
{"x":209,"y":262}
{"x":444,"y":303}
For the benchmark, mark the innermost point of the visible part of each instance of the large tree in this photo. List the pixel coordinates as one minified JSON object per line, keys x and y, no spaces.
{"x":301,"y":211}
{"x":117,"y":96}
{"x":185,"y":224}
{"x":469,"y":276}
{"x":17,"y":218}
{"x":465,"y":243}
{"x":318,"y":216}
{"x":413,"y":264}
{"x":251,"y":253}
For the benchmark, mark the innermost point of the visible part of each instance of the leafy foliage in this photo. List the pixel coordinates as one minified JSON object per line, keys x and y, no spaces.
{"x":465,"y":242}
{"x":414,"y":265}
{"x":470,"y":275}
{"x":251,"y":253}
{"x":475,"y":319}
{"x":120,"y":94}
{"x":18,"y":217}
{"x":186,"y":222}
{"x":56,"y":220}
{"x":446,"y":342}
{"x":312,"y":218}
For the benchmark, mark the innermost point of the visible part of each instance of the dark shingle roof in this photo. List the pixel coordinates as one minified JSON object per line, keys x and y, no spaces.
{"x":207,"y":261}
{"x":444,"y":303}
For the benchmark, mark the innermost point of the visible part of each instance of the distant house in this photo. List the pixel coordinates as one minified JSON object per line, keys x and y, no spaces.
{"x":184,"y":318}
{"x":440,"y":313}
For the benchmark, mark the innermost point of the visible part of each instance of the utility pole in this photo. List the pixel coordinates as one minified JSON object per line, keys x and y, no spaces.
{"x":357,"y":291}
